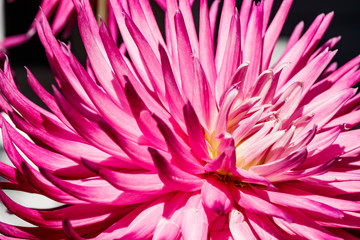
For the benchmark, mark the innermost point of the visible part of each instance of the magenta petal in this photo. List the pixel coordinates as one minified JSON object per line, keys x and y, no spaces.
{"x":143,"y":117}
{"x":204,"y":100}
{"x":150,"y":60}
{"x":216,"y":196}
{"x":46,"y":97}
{"x":206,"y":48}
{"x":195,"y":131}
{"x":174,"y":177}
{"x":300,"y":203}
{"x":141,"y":182}
{"x":96,"y":136}
{"x":47,"y":188}
{"x":278,"y":166}
{"x":231,"y":57}
{"x":69,"y":231}
{"x":89,"y":32}
{"x":250,"y":177}
{"x":121,"y":70}
{"x":273,"y":31}
{"x":226,"y":161}
{"x":253,"y":44}
{"x":181,"y":155}
{"x":144,"y":224}
{"x":194,"y":223}
{"x":16,"y":232}
{"x":109,"y":110}
{"x":30,"y":215}
{"x":250,"y":201}
{"x":97,"y":191}
{"x":264,"y":227}
{"x":185,"y":56}
{"x":54,"y":162}
{"x":224,"y":29}
{"x":173,"y":93}
{"x":304,"y":227}
{"x":169,"y":225}
{"x":239,"y":226}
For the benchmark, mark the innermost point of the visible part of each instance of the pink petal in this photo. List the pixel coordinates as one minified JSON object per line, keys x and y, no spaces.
{"x":194,"y":223}
{"x":185,"y":8}
{"x":216,"y":196}
{"x":204,"y":101}
{"x":140,"y":182}
{"x":53,"y":162}
{"x":206,"y":48}
{"x":295,"y":201}
{"x":45,"y":187}
{"x":174,"y":177}
{"x":273,"y":31}
{"x":239,"y":226}
{"x":250,"y":201}
{"x":224,"y":29}
{"x":149,"y":59}
{"x":230,"y":59}
{"x":282,"y":165}
{"x":181,"y":155}
{"x":250,"y":177}
{"x":264,"y":228}
{"x":185,"y":56}
{"x":253,"y":45}
{"x":173,"y":93}
{"x":305,"y":227}
{"x":168,"y":226}
{"x":195,"y":132}
{"x":97,"y":191}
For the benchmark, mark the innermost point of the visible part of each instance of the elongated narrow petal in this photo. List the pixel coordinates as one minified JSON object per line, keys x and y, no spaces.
{"x":281,"y":165}
{"x":195,"y":131}
{"x":300,"y":203}
{"x":247,"y":199}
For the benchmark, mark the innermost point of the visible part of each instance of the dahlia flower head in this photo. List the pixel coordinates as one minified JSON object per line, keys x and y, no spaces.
{"x":187,"y":136}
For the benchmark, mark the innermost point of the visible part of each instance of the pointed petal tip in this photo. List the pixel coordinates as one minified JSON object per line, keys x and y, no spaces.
{"x":69,"y":230}
{"x":43,"y":171}
{"x":24,"y":168}
{"x":90,"y":165}
{"x":153,"y":151}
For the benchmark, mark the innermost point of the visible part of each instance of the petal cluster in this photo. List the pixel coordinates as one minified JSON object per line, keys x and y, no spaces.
{"x":183,"y":134}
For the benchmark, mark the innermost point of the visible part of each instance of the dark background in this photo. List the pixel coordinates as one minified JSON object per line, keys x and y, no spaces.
{"x":20,"y":13}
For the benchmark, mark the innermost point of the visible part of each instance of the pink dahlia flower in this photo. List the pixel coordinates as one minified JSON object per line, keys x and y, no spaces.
{"x":177,"y":139}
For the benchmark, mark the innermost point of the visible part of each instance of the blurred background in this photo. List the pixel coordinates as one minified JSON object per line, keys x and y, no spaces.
{"x":19,"y":14}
